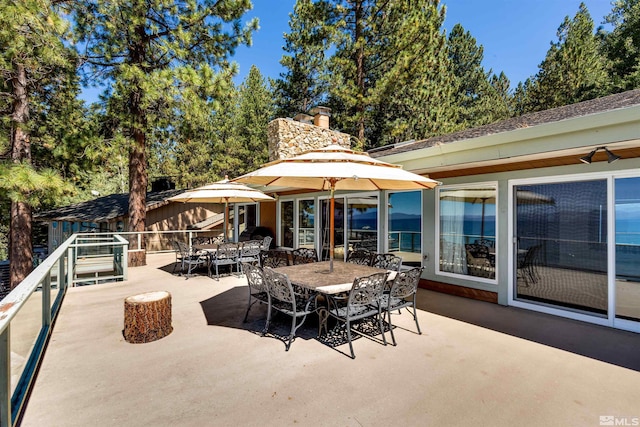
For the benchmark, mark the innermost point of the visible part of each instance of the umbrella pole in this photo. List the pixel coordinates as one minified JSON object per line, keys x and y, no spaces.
{"x":331,"y":226}
{"x":226,"y":219}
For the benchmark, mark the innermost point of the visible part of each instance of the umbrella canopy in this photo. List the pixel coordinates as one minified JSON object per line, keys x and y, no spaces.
{"x":225,"y":192}
{"x":336,"y":168}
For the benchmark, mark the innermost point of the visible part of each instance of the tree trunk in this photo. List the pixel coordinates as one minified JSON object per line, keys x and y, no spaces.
{"x":359,"y":58}
{"x":20,"y":248}
{"x":147,"y":317}
{"x":137,"y":160}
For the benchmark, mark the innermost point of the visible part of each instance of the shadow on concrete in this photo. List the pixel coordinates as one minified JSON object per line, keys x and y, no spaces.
{"x":621,"y":348}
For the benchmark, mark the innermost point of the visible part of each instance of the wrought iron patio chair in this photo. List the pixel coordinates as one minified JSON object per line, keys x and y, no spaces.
{"x":528,"y":266}
{"x":389,"y":262}
{"x":363,"y":301}
{"x":188,"y":259}
{"x":360,"y":256}
{"x":273,"y":259}
{"x":200,"y":240}
{"x":402,"y":295}
{"x":225,"y":254}
{"x":258,"y":292}
{"x":248,"y":251}
{"x":284,"y":299}
{"x":266,"y":243}
{"x":304,"y":256}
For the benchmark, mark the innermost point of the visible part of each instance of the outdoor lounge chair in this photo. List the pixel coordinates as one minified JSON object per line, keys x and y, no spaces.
{"x":363,"y":301}
{"x":284,"y":299}
{"x":402,"y":295}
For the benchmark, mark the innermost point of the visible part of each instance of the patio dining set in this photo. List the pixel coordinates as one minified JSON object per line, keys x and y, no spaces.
{"x":352,"y":292}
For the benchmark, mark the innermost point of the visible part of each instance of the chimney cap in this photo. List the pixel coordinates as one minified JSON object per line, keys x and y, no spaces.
{"x":323,"y":111}
{"x":304,"y":118}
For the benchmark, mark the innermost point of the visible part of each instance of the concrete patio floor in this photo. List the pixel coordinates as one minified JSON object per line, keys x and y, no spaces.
{"x":476,"y":364}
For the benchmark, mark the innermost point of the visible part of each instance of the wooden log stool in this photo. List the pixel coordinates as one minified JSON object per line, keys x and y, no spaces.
{"x":147,"y":317}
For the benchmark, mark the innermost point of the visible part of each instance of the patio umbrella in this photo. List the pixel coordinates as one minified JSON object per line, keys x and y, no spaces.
{"x":225,"y":192}
{"x":336,"y":168}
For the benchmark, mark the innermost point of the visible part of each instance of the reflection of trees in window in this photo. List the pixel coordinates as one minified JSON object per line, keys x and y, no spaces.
{"x":306,"y":230}
{"x":286,"y":224}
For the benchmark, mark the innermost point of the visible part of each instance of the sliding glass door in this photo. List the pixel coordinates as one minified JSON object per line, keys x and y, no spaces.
{"x":576,"y":248}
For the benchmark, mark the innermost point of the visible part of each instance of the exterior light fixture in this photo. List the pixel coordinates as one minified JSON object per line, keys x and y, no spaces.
{"x":589,"y":157}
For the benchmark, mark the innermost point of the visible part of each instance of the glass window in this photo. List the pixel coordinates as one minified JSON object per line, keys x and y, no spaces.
{"x":468,"y":231}
{"x":362,"y":222}
{"x":627,"y":209}
{"x":306,"y":228}
{"x":286,"y":224}
{"x":338,"y":235}
{"x":247,"y":220}
{"x":561,"y":252}
{"x":405,"y":226}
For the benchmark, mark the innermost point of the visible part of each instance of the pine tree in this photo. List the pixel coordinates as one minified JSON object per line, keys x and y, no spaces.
{"x":255,"y":111}
{"x":622,"y":44}
{"x":303,"y":84}
{"x":33,"y":61}
{"x":150,"y":50}
{"x":573,"y":70}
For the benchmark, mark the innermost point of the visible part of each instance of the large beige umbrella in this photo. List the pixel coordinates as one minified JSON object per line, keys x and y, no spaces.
{"x":336,"y":168}
{"x":222,"y":192}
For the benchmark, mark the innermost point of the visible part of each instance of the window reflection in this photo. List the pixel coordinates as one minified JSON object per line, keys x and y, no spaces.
{"x":286,"y":224}
{"x":468,"y":231}
{"x":306,"y":220}
{"x":362,"y":222}
{"x":405,"y":226}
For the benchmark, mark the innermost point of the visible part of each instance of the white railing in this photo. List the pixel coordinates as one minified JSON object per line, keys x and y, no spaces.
{"x":30,"y":311}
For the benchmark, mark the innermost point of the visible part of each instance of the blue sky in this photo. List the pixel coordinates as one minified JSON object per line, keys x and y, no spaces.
{"x":515,"y":33}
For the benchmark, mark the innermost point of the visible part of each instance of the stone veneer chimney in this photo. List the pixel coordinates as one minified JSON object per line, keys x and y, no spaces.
{"x":288,"y":138}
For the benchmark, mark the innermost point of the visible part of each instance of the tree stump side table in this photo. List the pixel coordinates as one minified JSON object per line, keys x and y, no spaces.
{"x":147,"y":317}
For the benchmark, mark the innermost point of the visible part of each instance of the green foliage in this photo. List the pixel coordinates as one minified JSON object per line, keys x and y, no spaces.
{"x":622,"y":44}
{"x":574,"y":69}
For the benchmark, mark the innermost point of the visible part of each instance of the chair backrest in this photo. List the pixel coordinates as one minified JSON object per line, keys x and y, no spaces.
{"x":359,"y":256}
{"x":255,"y":276}
{"x":201,"y":240}
{"x":304,"y":256}
{"x":181,"y":247}
{"x":279,"y":286}
{"x":367,"y":290}
{"x":227,"y":250}
{"x":273,"y":259}
{"x":266,"y":243}
{"x":387,"y":261}
{"x":250,"y":248}
{"x":406,"y":283}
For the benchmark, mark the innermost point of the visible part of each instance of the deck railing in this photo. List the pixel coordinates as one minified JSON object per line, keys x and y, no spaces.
{"x":30,"y":310}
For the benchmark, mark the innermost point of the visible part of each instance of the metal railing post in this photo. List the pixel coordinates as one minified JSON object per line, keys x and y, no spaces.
{"x":5,"y":378}
{"x":70,"y":266}
{"x":46,"y":301}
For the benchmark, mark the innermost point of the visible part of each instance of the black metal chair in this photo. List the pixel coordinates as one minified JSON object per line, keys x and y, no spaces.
{"x":402,"y":295}
{"x":363,"y":301}
{"x":273,"y":259}
{"x":386,"y":261}
{"x":304,"y":256}
{"x":257,"y":286}
{"x":225,"y":254}
{"x":284,"y":299}
{"x":360,"y":256}
{"x":188,"y":259}
{"x":248,"y":251}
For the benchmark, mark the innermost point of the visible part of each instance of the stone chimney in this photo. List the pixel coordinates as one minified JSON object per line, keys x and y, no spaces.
{"x":290,"y":137}
{"x":321,"y":116}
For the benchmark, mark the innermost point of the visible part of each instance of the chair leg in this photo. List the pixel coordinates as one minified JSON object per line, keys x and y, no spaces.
{"x":291,"y":333}
{"x":393,"y":337}
{"x":248,"y":308}
{"x":415,"y":315}
{"x":348,"y":326}
{"x":384,"y":339}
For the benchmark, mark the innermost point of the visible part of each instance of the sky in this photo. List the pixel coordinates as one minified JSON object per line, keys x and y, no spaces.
{"x":515,"y":34}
